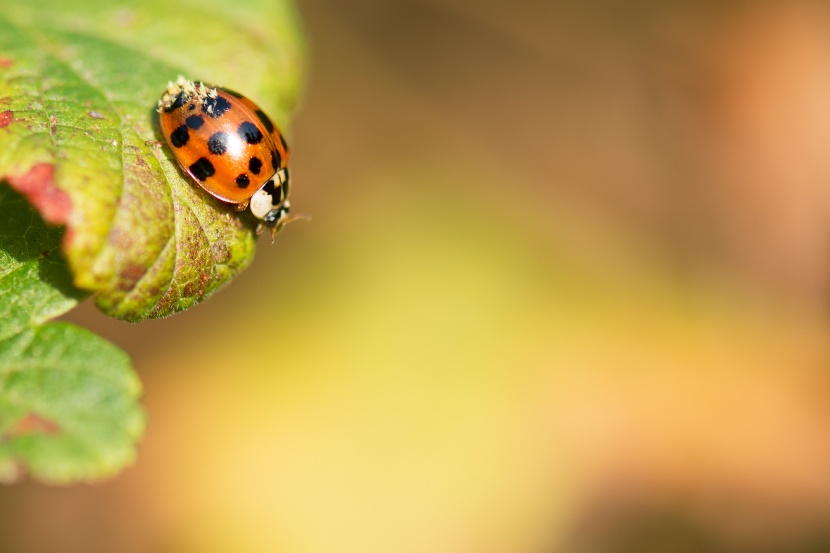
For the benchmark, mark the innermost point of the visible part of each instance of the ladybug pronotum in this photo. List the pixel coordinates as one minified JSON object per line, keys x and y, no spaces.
{"x":230,"y":147}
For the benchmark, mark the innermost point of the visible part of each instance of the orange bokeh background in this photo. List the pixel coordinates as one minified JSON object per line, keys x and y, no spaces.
{"x":565,"y":289}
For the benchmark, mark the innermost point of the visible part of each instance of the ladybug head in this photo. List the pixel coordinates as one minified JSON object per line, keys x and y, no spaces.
{"x":278,"y":218}
{"x":271,"y":205}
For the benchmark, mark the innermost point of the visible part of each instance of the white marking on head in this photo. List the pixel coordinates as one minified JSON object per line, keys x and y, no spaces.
{"x":261,"y":204}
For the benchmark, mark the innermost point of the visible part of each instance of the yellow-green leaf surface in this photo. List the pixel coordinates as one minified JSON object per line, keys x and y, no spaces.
{"x":79,"y":82}
{"x":68,"y":399}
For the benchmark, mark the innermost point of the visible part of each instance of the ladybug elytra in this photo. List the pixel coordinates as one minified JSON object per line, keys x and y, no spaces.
{"x":230,"y":147}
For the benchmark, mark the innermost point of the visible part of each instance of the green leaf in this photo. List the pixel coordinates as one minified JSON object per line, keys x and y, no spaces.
{"x":68,"y":399}
{"x":79,"y":82}
{"x":68,"y":406}
{"x":35,"y":285}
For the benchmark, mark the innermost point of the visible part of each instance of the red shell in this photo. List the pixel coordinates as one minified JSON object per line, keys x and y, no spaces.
{"x":224,"y":141}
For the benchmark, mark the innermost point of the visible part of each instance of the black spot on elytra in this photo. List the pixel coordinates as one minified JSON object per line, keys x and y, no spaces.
{"x":191,"y":107}
{"x":269,"y":125}
{"x":215,"y":107}
{"x":179,"y":137}
{"x":242,"y":181}
{"x":255,"y":165}
{"x":276,"y":159}
{"x":250,"y":133}
{"x":202,"y":169}
{"x":178,"y":102}
{"x":195,"y":121}
{"x":218,"y":143}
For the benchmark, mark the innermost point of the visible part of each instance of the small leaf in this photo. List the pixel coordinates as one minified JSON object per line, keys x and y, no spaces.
{"x":68,"y":399}
{"x":79,"y":83}
{"x":68,"y":405}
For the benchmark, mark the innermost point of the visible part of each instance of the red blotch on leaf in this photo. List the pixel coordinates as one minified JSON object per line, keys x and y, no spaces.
{"x":33,"y":424}
{"x":38,"y":185}
{"x":130,"y":275}
{"x":6,"y":118}
{"x":5,"y":63}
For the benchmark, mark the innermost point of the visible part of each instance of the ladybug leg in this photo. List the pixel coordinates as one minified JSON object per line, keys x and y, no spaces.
{"x":154,"y":143}
{"x":260,"y":228}
{"x":242,"y":206}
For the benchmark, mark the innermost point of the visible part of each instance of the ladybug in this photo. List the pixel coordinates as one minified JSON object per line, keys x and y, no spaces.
{"x":230,"y":147}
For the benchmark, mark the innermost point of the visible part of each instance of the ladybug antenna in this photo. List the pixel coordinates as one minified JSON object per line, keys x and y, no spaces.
{"x":278,"y":227}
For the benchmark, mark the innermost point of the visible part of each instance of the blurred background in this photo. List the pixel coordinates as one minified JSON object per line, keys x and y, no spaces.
{"x":565,"y":290}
